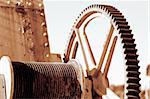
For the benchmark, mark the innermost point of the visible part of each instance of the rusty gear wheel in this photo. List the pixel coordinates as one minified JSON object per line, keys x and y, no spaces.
{"x":119,"y":23}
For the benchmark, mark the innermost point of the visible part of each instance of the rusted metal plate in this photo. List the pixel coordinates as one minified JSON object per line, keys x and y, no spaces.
{"x":23,"y":31}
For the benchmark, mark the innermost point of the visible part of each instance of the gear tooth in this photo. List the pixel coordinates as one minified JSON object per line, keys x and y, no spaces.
{"x":130,"y":50}
{"x":91,"y":6}
{"x":103,"y":7}
{"x":106,"y":10}
{"x":131,"y":56}
{"x":128,"y":40}
{"x":117,"y":16}
{"x":123,"y":26}
{"x":97,"y":5}
{"x":115,"y":8}
{"x":84,"y":10}
{"x":112,"y":11}
{"x":111,"y":14}
{"x":133,"y":92}
{"x":126,"y":35}
{"x":133,"y":74}
{"x":133,"y":97}
{"x":132,"y":68}
{"x":100,"y":6}
{"x":125,"y":30}
{"x":132,"y":62}
{"x":121,"y":22}
{"x":110,"y":8}
{"x":118,"y":19}
{"x":129,"y":45}
{"x":133,"y":80}
{"x":133,"y":86}
{"x":115,"y":13}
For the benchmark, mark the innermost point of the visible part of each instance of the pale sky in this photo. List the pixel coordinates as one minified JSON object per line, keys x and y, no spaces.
{"x":60,"y":16}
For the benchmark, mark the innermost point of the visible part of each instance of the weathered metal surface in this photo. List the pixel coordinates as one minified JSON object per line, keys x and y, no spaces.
{"x":23,"y":31}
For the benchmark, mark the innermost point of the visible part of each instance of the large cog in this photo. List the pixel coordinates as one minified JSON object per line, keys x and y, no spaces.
{"x":129,"y":46}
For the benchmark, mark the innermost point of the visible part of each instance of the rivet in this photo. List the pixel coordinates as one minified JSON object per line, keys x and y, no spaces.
{"x":19,"y":3}
{"x":29,"y":3}
{"x":43,"y":23}
{"x":46,"y":44}
{"x":8,"y":2}
{"x":42,"y":14}
{"x":47,"y":55}
{"x":40,"y":4}
{"x":45,"y":34}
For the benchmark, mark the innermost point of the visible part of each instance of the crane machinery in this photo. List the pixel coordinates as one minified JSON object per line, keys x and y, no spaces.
{"x":29,"y":70}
